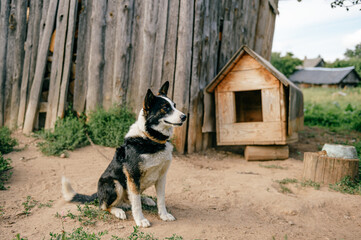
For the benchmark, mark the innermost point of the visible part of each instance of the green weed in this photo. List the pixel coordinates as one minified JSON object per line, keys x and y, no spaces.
{"x":5,"y":171}
{"x":108,"y":128}
{"x":29,"y":204}
{"x":7,"y":143}
{"x":347,"y":185}
{"x":287,"y":180}
{"x":310,"y":183}
{"x":69,"y":133}
{"x":18,"y":237}
{"x":77,"y":234}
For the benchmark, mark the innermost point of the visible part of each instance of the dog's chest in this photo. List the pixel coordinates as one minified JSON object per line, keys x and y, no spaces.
{"x":154,"y":166}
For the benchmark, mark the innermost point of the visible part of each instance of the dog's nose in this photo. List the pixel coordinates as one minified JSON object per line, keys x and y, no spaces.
{"x":183,"y":117}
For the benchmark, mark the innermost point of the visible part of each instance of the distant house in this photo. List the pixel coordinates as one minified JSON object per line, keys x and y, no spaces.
{"x":313,"y":62}
{"x":326,"y":77}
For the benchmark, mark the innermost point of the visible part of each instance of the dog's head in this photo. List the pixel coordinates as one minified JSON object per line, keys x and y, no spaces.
{"x":160,"y":112}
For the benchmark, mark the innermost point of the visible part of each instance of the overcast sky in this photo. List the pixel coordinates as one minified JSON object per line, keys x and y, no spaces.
{"x":311,"y":28}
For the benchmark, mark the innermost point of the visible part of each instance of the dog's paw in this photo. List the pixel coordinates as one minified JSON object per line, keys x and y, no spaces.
{"x":148,"y":201}
{"x":167,"y":217}
{"x":119,"y":213}
{"x":143,"y":223}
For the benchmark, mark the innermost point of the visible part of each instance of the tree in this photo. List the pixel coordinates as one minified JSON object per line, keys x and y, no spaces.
{"x":286,"y":64}
{"x":354,"y":53}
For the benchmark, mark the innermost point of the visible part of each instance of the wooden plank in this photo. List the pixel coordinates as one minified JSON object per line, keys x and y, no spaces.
{"x":122,"y":51}
{"x":4,"y":22}
{"x":57,"y":64}
{"x":227,"y":108}
{"x":183,"y":69}
{"x":28,"y":46}
{"x":82,"y":56}
{"x":160,"y":40}
{"x":20,"y":36}
{"x":68,"y":58}
{"x":96,"y":56}
{"x":246,"y":62}
{"x":170,"y":47}
{"x":283,"y":110}
{"x":109,"y":53}
{"x":248,"y":80}
{"x":256,"y":153}
{"x":271,"y":105}
{"x":194,"y":94}
{"x":40,"y":69}
{"x":233,"y":134}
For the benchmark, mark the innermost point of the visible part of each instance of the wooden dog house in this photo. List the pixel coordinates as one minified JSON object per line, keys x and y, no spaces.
{"x":255,"y":104}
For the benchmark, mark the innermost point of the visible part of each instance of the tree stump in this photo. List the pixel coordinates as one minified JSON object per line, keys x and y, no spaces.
{"x":254,"y":153}
{"x":319,"y":167}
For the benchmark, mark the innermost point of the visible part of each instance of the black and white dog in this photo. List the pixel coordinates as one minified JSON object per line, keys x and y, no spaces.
{"x":142,"y":161}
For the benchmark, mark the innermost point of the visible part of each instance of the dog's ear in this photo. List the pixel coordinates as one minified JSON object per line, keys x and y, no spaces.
{"x":164,"y":89}
{"x":148,"y":100}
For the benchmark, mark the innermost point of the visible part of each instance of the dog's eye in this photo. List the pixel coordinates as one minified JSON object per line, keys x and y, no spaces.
{"x":166,"y":107}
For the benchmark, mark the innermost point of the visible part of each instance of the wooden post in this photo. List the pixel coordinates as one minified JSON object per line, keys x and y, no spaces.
{"x":4,"y":22}
{"x":318,"y":167}
{"x":266,"y":152}
{"x":96,"y":56}
{"x":40,"y":69}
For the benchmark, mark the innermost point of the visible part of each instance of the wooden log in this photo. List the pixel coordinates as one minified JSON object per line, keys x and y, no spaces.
{"x":57,"y":64}
{"x":20,"y":35}
{"x":252,"y":153}
{"x":82,"y":56}
{"x":96,"y":56}
{"x":4,"y":22}
{"x":183,"y":69}
{"x":123,"y":49}
{"x":109,"y":53}
{"x":318,"y":167}
{"x":68,"y":59}
{"x":40,"y":69}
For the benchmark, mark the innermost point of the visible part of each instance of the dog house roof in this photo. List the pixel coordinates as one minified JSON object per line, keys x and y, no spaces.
{"x":295,"y":96}
{"x":234,"y":60}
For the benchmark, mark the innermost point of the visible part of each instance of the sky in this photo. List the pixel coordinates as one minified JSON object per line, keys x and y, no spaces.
{"x":311,"y":28}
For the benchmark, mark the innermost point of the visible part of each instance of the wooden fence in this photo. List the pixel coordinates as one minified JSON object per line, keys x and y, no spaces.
{"x":98,"y":53}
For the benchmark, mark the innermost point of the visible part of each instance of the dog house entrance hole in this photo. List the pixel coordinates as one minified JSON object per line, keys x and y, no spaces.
{"x":249,"y":106}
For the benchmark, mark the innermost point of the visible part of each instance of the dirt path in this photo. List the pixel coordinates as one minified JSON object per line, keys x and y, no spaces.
{"x":216,"y":195}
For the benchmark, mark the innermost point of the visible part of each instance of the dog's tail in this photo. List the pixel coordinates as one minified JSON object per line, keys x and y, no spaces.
{"x":71,"y":196}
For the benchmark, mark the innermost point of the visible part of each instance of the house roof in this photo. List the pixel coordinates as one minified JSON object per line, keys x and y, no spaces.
{"x":233,"y":61}
{"x":321,"y":75}
{"x":312,"y":62}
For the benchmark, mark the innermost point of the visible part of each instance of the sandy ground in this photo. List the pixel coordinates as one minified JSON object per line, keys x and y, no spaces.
{"x":215,"y":195}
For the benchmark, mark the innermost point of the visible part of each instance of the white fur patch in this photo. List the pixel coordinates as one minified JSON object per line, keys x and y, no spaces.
{"x":67,"y":190}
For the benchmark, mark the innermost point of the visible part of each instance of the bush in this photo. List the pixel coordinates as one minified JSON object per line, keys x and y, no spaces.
{"x":69,"y":133}
{"x":108,"y":128}
{"x":7,"y":143}
{"x":5,"y":172}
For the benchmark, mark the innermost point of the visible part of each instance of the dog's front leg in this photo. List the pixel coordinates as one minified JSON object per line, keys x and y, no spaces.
{"x":162,"y":211}
{"x":138,"y":216}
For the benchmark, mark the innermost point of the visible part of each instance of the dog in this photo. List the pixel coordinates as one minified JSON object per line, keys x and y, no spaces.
{"x":141,"y":162}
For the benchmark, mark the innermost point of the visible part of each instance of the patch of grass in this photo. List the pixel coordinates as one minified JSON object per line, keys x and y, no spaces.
{"x":347,"y":185}
{"x":150,"y":209}
{"x":287,"y":180}
{"x":77,"y":234}
{"x":138,"y":235}
{"x":328,"y":108}
{"x":69,"y":133}
{"x":108,"y":128}
{"x":49,"y":204}
{"x":87,"y":215}
{"x":285,"y":189}
{"x":272,"y":166}
{"x":7,"y":143}
{"x":5,"y":171}
{"x":310,"y":183}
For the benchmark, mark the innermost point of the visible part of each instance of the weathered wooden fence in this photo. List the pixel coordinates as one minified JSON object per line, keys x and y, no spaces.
{"x":99,"y":53}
